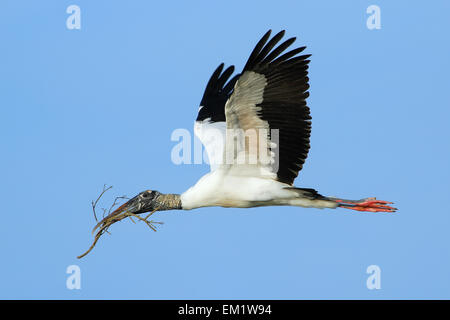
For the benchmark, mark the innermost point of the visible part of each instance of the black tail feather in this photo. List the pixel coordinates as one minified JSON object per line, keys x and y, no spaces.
{"x":308,"y":193}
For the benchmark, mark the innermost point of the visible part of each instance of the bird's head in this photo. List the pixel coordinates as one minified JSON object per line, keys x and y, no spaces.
{"x":144,"y":202}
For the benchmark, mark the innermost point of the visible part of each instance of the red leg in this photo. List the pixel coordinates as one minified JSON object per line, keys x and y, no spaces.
{"x":367,"y":205}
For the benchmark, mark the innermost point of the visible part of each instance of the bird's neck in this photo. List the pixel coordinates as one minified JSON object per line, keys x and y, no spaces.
{"x":168,"y":201}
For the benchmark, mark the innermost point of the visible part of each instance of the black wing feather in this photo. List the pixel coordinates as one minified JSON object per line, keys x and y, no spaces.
{"x":284,"y":100}
{"x":216,"y":94}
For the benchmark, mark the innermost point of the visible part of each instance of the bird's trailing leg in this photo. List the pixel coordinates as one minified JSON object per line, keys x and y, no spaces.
{"x":367,"y":205}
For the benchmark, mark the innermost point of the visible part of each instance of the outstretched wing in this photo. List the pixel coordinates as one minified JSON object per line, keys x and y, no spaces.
{"x":210,"y":124}
{"x":271,"y":94}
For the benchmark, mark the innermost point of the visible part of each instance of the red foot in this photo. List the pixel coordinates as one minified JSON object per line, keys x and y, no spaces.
{"x":368,"y":205}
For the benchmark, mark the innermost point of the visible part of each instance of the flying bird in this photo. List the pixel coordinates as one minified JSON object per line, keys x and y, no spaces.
{"x":255,"y":127}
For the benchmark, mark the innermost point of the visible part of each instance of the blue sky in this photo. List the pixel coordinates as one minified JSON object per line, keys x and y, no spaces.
{"x":83,"y":108}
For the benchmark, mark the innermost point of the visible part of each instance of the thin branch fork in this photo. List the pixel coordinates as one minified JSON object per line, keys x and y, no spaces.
{"x":110,"y":219}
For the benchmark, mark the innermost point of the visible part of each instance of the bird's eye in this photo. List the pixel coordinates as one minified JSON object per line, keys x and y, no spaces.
{"x":145,"y":194}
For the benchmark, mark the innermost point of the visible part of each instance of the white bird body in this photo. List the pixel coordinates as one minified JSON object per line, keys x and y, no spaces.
{"x":225,"y":187}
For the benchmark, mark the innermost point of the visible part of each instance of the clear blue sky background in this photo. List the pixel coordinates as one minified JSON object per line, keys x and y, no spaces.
{"x":83,"y":108}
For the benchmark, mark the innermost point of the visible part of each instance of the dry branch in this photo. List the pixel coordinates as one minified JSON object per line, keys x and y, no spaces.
{"x":112,"y":218}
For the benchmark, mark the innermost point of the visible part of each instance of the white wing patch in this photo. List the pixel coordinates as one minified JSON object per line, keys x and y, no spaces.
{"x":212,"y":136}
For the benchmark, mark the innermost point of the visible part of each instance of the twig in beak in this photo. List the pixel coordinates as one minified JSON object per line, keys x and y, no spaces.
{"x":149,"y":223}
{"x":114,"y":217}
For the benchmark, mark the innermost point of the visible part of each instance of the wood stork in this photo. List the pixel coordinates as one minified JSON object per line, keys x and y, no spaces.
{"x":267,"y":98}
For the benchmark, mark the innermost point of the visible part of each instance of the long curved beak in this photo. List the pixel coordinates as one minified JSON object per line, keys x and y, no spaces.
{"x":131,"y":205}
